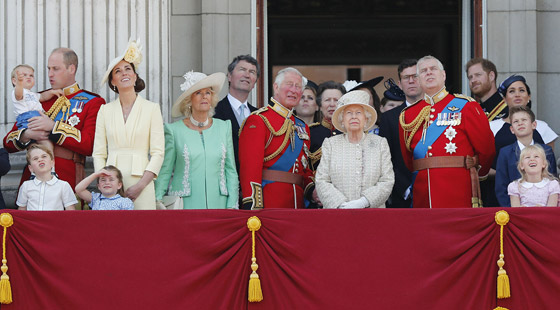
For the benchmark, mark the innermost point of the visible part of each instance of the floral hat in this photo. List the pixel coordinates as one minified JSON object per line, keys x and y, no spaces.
{"x":195,"y":81}
{"x":357,"y":97}
{"x":132,"y":54}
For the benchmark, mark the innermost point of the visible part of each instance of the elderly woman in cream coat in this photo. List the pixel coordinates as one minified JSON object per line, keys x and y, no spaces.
{"x":355,"y":170}
{"x":129,"y":131}
{"x":199,"y":149}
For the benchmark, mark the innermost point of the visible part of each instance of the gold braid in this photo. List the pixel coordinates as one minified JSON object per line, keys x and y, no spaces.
{"x":287,"y":130}
{"x":411,"y":128}
{"x":60,"y":103}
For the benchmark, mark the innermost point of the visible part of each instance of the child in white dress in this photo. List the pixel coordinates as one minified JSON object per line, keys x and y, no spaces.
{"x":537,"y":187}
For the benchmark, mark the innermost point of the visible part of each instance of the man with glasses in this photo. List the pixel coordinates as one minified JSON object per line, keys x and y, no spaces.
{"x":389,"y":128}
{"x":446,"y":142}
{"x":273,"y":149}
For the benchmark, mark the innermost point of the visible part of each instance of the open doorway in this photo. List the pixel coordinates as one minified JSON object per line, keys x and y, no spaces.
{"x":361,"y":39}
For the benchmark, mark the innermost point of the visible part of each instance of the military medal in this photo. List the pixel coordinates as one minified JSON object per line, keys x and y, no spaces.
{"x":73,"y":120}
{"x":80,"y":106}
{"x":438,"y":123}
{"x":302,"y":134}
{"x":304,"y":162}
{"x":450,"y":148}
{"x":450,"y":133}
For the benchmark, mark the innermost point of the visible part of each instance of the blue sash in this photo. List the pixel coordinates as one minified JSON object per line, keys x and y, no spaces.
{"x":287,"y":160}
{"x":433,"y":132}
{"x":77,"y":104}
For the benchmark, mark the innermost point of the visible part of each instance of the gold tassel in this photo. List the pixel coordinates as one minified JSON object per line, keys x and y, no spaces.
{"x":255,"y":291}
{"x":6,"y":220}
{"x":502,"y":218}
{"x":500,"y":308}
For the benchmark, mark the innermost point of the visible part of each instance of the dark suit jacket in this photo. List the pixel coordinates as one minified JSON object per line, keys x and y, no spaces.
{"x":224,"y":112}
{"x":4,"y":168}
{"x":389,"y":128}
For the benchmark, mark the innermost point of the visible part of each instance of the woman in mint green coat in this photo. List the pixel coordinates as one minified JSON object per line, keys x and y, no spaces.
{"x":199,"y":157}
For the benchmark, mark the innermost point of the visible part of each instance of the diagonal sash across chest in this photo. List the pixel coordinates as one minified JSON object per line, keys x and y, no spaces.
{"x":77,"y":105}
{"x":434,"y":131}
{"x":287,"y":160}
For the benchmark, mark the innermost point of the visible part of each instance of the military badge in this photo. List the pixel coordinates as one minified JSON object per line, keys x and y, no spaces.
{"x":450,"y":133}
{"x":450,"y":148}
{"x":73,"y":120}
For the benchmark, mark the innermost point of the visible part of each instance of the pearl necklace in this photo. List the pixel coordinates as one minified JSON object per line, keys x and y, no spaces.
{"x":199,"y":124}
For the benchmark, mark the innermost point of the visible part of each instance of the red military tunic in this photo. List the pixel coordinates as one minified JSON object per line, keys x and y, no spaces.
{"x":74,"y":131}
{"x":267,"y":138}
{"x":447,"y":187}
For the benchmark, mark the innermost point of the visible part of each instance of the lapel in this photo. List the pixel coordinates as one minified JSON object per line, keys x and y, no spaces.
{"x":231,"y":115}
{"x":128,"y":128}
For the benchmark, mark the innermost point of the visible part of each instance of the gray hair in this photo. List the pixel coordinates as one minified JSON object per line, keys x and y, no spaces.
{"x":426,"y":58}
{"x":280,"y":76}
{"x":341,"y":116}
{"x":186,"y":105}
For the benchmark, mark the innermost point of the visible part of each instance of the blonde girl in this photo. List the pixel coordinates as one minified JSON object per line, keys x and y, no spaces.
{"x":537,"y":187}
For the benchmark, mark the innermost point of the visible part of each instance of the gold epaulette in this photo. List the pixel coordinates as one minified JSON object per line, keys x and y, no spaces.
{"x":257,"y":112}
{"x":314,"y":124}
{"x":464,"y":97}
{"x":66,"y":130}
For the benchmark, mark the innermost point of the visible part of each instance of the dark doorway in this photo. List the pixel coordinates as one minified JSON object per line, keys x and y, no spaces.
{"x":354,"y":33}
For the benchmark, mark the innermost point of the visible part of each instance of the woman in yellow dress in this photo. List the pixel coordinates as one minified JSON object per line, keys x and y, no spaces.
{"x":129,"y":130}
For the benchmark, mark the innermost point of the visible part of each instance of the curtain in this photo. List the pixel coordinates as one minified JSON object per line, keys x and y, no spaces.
{"x":308,"y":259}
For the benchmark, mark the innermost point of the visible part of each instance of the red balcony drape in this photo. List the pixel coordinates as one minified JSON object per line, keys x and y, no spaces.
{"x":308,"y":259}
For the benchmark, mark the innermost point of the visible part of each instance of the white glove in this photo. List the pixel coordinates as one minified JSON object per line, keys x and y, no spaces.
{"x":355,"y":204}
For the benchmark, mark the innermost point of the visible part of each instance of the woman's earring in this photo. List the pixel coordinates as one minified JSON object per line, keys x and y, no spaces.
{"x":114,"y":88}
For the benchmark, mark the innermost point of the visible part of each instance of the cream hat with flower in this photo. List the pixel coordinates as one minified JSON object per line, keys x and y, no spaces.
{"x":357,"y":97}
{"x":195,"y":81}
{"x":132,"y":54}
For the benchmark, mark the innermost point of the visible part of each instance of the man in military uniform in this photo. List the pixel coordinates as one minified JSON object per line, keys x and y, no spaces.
{"x":69,"y":120}
{"x":273,"y":147}
{"x":444,"y":138}
{"x":482,"y":75}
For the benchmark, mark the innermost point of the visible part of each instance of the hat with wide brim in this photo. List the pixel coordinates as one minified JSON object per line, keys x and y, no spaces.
{"x":355,"y":97}
{"x":195,"y":81}
{"x":132,"y":54}
{"x":367,"y":84}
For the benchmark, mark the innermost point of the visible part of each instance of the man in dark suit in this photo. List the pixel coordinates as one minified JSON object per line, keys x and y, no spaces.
{"x":389,"y":128}
{"x":243,"y":73}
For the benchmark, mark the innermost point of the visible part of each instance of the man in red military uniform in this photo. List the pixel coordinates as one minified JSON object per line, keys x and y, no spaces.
{"x":273,"y":149}
{"x":444,"y":140}
{"x":68,"y":121}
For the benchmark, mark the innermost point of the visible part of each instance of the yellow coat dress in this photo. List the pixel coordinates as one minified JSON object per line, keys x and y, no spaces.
{"x":133,"y":147}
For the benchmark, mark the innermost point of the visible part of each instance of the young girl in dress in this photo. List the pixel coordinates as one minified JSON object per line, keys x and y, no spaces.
{"x":109,"y":183}
{"x":537,"y":187}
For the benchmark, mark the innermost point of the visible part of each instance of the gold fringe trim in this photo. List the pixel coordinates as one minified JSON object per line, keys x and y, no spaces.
{"x":255,"y":290}
{"x":411,"y":128}
{"x":6,"y":221}
{"x":62,"y":103}
{"x":287,"y":130}
{"x":502,"y":218}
